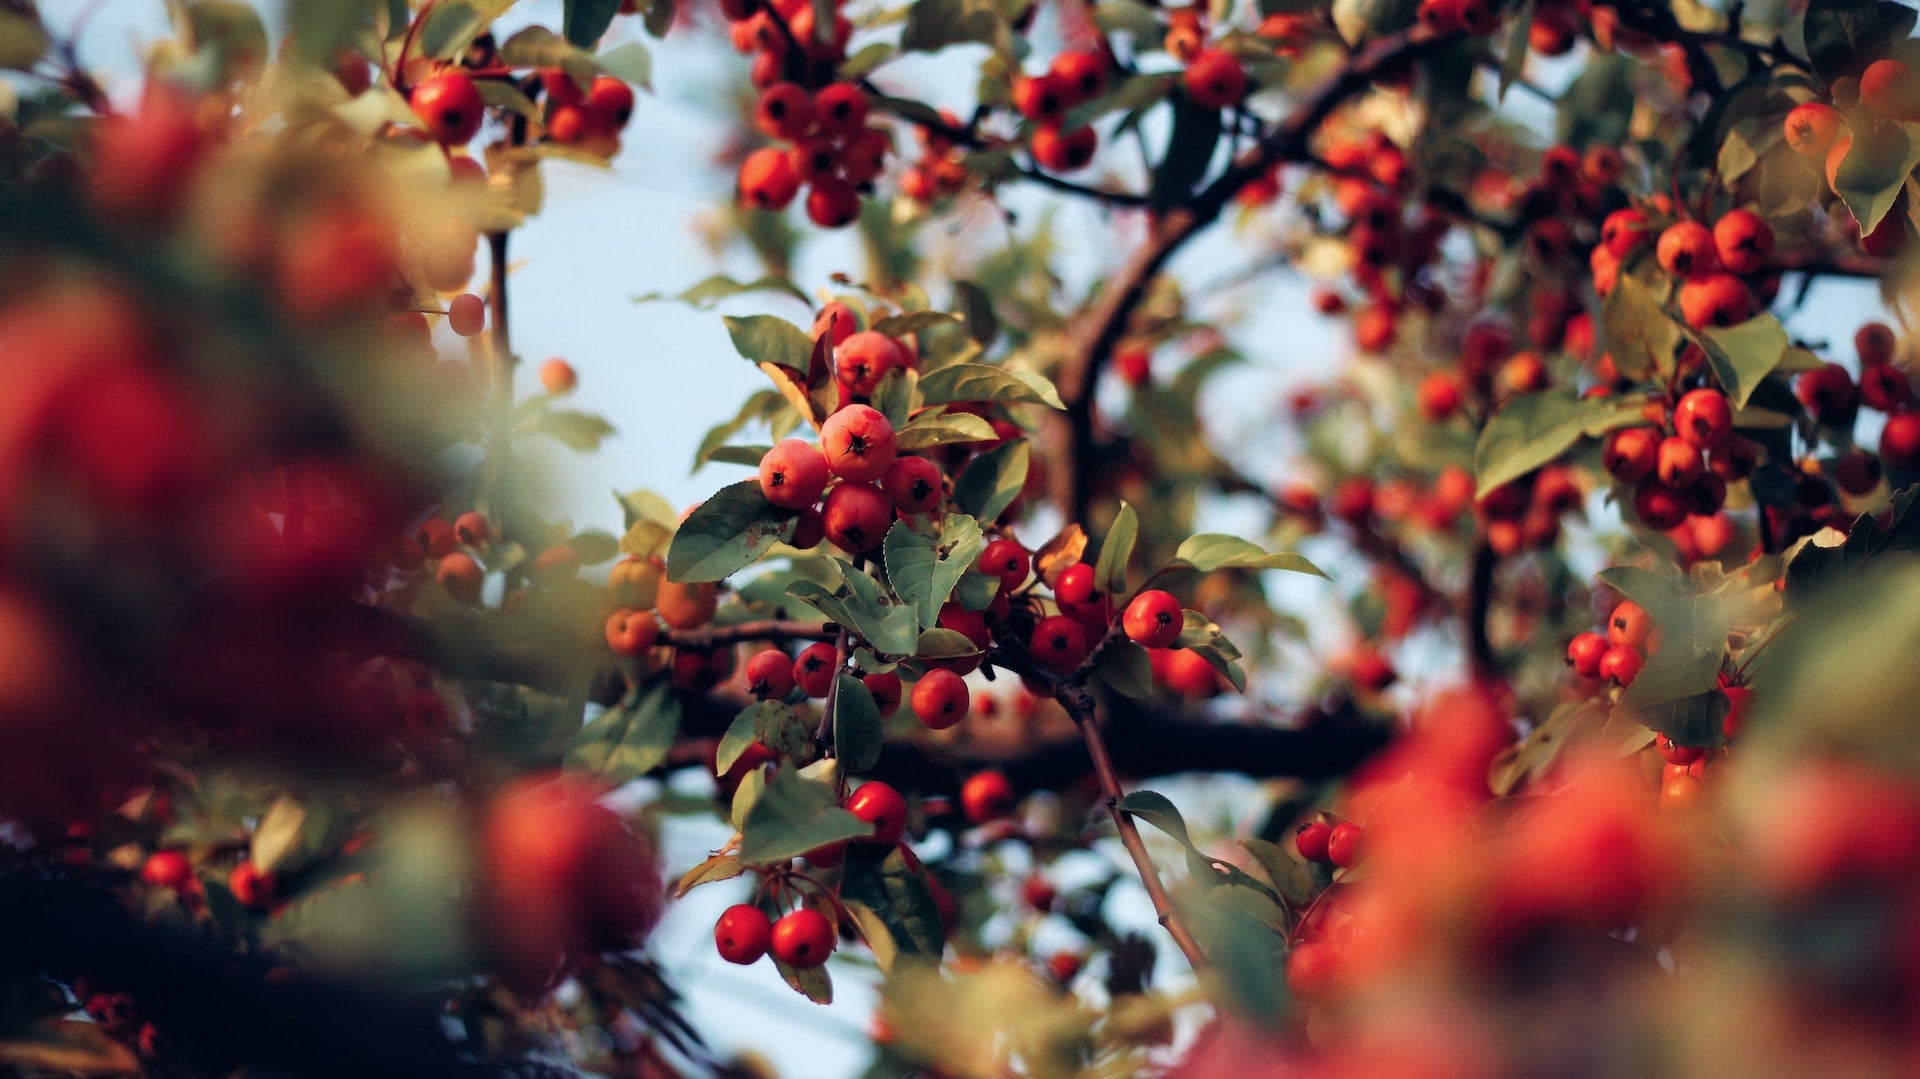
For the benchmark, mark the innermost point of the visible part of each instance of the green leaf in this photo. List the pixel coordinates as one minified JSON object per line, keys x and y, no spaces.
{"x":631,"y":63}
{"x":985,"y":382}
{"x":1514,"y":61}
{"x":1157,"y":810}
{"x":866,"y":61}
{"x":721,"y":287}
{"x":863,"y":606}
{"x":1816,"y":570}
{"x":1596,"y":105}
{"x":1534,"y":429}
{"x":1130,"y":17}
{"x":766,"y":339}
{"x":278,"y":834}
{"x":990,"y":483}
{"x":976,"y":310}
{"x":885,"y":883}
{"x":579,"y":430}
{"x":643,"y":505}
{"x":584,"y":21}
{"x":924,"y":570}
{"x":630,"y":739}
{"x":537,"y":46}
{"x":1190,"y":148}
{"x":933,"y":429}
{"x":718,"y":867}
{"x":594,"y":547}
{"x":792,"y":816}
{"x":814,"y":983}
{"x":934,"y":24}
{"x":659,"y":17}
{"x":773,"y":724}
{"x":1843,"y":35}
{"x":727,"y":532}
{"x":1110,"y":572}
{"x":1126,"y":668}
{"x":1875,"y":169}
{"x":856,"y":725}
{"x":450,"y":27}
{"x":1640,"y":335}
{"x":505,"y":95}
{"x":1290,"y":874}
{"x":1742,"y":356}
{"x":944,"y":644}
{"x":894,"y":398}
{"x":912,"y":322}
{"x":1210,"y":551}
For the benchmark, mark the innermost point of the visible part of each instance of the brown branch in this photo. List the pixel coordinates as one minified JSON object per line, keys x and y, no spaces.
{"x":770,"y":630}
{"x":1478,"y":607}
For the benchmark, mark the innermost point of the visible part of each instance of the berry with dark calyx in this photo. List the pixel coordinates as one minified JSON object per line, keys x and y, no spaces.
{"x":1153,"y":619}
{"x":1007,"y":560}
{"x":814,"y":669}
{"x":252,"y":888}
{"x":743,"y":934}
{"x":1215,"y":79}
{"x":1884,"y":387}
{"x":914,"y":483}
{"x":610,"y":103}
{"x":794,"y":474}
{"x":1584,"y":652}
{"x":856,"y":517}
{"x":450,"y":107}
{"x":631,"y":633}
{"x":1343,"y":844}
{"x":1310,"y":839}
{"x":885,"y":689}
{"x":803,"y":938}
{"x":1630,"y":455}
{"x":1687,"y":251}
{"x":1703,"y":417}
{"x":1812,"y":128}
{"x":167,"y":869}
{"x":1828,"y":395}
{"x":767,"y":179}
{"x":1743,"y":241}
{"x":986,"y":797}
{"x":940,"y":699}
{"x":832,"y":204}
{"x":1059,"y":150}
{"x":770,"y":675}
{"x":1058,"y":644}
{"x":1629,"y":624}
{"x":881,"y":806}
{"x":1621,"y":665}
{"x":1040,"y":99}
{"x":1659,"y":506}
{"x":840,"y":109}
{"x":858,"y":443}
{"x":1678,"y":462}
{"x":1857,"y":472}
{"x":864,"y":358}
{"x":784,"y":112}
{"x":472,"y":528}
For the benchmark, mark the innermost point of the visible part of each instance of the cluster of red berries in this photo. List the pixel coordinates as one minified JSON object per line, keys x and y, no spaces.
{"x":1681,"y":468}
{"x":1886,"y":91}
{"x":1073,"y":79}
{"x":173,"y":871}
{"x":1618,"y":655}
{"x":802,"y":938}
{"x":1214,"y":77}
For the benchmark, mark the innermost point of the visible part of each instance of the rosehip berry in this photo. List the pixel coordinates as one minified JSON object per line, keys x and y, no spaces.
{"x":940,"y":699}
{"x":1584,"y":652}
{"x":987,"y":797}
{"x":1888,"y":89}
{"x":1719,"y":299}
{"x":1884,"y":387}
{"x":1215,"y":79}
{"x":1311,"y":968}
{"x":803,"y":938}
{"x":610,"y":103}
{"x":1153,"y":619}
{"x":770,"y":675}
{"x":631,"y":633}
{"x":1058,"y":150}
{"x":1703,"y":417}
{"x":914,"y":484}
{"x":881,"y":806}
{"x":885,"y":689}
{"x":1438,"y":396}
{"x":1007,"y":560}
{"x":1310,"y":839}
{"x":450,"y":107}
{"x":1039,"y":99}
{"x":1631,"y":454}
{"x":1875,"y":342}
{"x":687,"y":605}
{"x":1900,"y":440}
{"x":1659,"y":506}
{"x":858,"y":443}
{"x":813,"y":669}
{"x":472,"y":528}
{"x":1678,"y":462}
{"x":793,"y":474}
{"x":863,"y":358}
{"x":1343,"y":844}
{"x":1828,"y":395}
{"x":742,"y":934}
{"x":1629,"y":625}
{"x":1857,"y":472}
{"x":1624,"y":230}
{"x":1621,"y":665}
{"x":1058,"y":644}
{"x":856,"y":517}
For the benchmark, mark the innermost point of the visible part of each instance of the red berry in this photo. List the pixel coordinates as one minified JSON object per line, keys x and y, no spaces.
{"x":167,"y":869}
{"x":1058,"y":644}
{"x":1216,"y":80}
{"x":914,"y":483}
{"x":814,"y":670}
{"x":793,"y":474}
{"x":840,"y":109}
{"x":1310,"y":839}
{"x":940,"y":699}
{"x":610,"y":103}
{"x":1621,"y":665}
{"x":450,"y":107}
{"x":1900,"y":440}
{"x":467,"y":314}
{"x":1007,"y":560}
{"x":1059,"y":150}
{"x":1674,"y":753}
{"x":631,"y":633}
{"x":1703,"y":417}
{"x":472,"y":528}
{"x":1311,"y":967}
{"x":803,"y":938}
{"x":770,"y":674}
{"x":881,"y":806}
{"x":1040,"y":99}
{"x":784,"y":111}
{"x":1743,"y":240}
{"x":858,"y":443}
{"x":1154,"y":619}
{"x":252,"y":888}
{"x":1075,"y":586}
{"x":885,"y":690}
{"x":742,"y":934}
{"x":1343,"y":844}
{"x":861,"y":360}
{"x":986,"y":797}
{"x":767,"y":179}
{"x":832,"y":204}
{"x":1686,"y":250}
{"x":1584,"y":652}
{"x":856,"y":517}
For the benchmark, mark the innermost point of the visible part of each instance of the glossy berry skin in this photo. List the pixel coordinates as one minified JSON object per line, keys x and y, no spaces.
{"x":1311,"y":969}
{"x":1060,"y":150}
{"x":1584,"y":653}
{"x":940,"y":699}
{"x":1040,"y":99}
{"x":1743,"y":241}
{"x":858,"y":443}
{"x":1007,"y":560}
{"x":631,"y":633}
{"x":1828,"y":395}
{"x":1438,"y":396}
{"x":914,"y":483}
{"x":833,"y":204}
{"x":1632,"y":454}
{"x":1718,"y":299}
{"x":770,"y":675}
{"x":794,"y":474}
{"x":986,"y":797}
{"x":857,"y":516}
{"x":784,"y":112}
{"x":803,"y":938}
{"x":472,"y":528}
{"x":167,"y":869}
{"x":1153,"y":619}
{"x":1075,"y":586}
{"x":1624,"y":230}
{"x":881,"y":806}
{"x":1888,"y":90}
{"x":1686,"y":250}
{"x":1310,"y":839}
{"x":1215,"y":79}
{"x":863,"y":358}
{"x":743,"y":934}
{"x":767,"y":179}
{"x":1629,"y":625}
{"x":1659,"y":506}
{"x":1058,"y":644}
{"x":250,"y":887}
{"x":886,"y":691}
{"x":1621,"y":665}
{"x":1812,"y":128}
{"x":1900,"y":440}
{"x":1875,"y":343}
{"x":558,"y":377}
{"x":840,"y":109}
{"x":467,"y":315}
{"x":450,"y":107}
{"x":1678,"y":754}
{"x":813,"y":669}
{"x":1343,"y":844}
{"x":1703,"y":417}
{"x":460,"y":575}
{"x":1678,"y":462}
{"x":1884,"y":387}
{"x":610,"y":104}
{"x":1081,"y":75}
